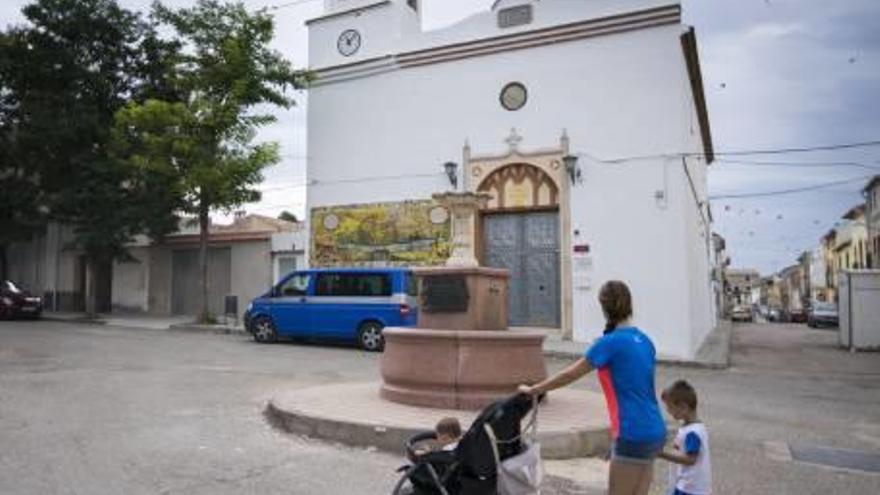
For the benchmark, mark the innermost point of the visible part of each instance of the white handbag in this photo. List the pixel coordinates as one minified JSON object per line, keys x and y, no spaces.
{"x":523,"y":473}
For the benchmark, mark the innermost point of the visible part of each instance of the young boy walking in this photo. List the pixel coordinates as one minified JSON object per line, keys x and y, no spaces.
{"x":692,"y":472}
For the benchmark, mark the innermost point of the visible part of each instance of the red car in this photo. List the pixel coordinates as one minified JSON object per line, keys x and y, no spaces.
{"x":16,"y":302}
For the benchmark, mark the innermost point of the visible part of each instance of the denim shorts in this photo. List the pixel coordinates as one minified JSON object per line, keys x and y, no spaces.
{"x":635,"y":452}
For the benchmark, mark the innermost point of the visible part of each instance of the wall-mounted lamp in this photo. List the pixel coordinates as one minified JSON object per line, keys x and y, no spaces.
{"x":451,"y":169}
{"x":574,"y":172}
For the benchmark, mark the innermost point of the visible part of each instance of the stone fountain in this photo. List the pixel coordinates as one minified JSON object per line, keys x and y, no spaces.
{"x":461,"y":355}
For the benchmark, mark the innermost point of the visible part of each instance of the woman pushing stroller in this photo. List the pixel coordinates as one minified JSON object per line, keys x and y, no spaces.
{"x":625,"y":360}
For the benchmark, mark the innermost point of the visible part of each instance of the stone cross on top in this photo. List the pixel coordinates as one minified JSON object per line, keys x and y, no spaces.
{"x":513,"y":140}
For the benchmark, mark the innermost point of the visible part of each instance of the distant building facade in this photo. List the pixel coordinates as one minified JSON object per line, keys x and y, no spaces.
{"x":872,"y":217}
{"x":792,"y":290}
{"x":851,"y":241}
{"x":244,"y":259}
{"x":720,"y":263}
{"x":743,"y":287}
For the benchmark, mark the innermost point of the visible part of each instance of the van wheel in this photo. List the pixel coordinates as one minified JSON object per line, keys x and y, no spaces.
{"x":370,"y":336}
{"x":264,"y":330}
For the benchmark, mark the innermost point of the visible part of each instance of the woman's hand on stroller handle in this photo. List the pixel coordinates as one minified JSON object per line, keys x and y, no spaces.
{"x":529,"y":390}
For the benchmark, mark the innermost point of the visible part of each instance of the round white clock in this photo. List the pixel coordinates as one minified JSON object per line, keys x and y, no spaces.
{"x":349,"y":42}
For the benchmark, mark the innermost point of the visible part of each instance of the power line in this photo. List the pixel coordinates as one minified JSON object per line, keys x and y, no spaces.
{"x":769,"y":151}
{"x":789,"y":191}
{"x":779,"y":151}
{"x":292,"y":3}
{"x":799,"y":164}
{"x":351,"y":180}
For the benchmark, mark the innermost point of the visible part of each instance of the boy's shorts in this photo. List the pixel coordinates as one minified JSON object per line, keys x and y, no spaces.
{"x":635,"y":452}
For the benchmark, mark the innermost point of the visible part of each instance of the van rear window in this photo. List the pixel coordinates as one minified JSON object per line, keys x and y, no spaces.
{"x":412,"y":285}
{"x":354,"y":284}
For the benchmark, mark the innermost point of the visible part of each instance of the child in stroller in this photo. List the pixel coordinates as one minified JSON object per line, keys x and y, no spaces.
{"x":447,"y":433}
{"x":471,"y":468}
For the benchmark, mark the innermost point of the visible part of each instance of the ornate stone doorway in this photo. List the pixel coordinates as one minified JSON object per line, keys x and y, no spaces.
{"x":525,"y":229}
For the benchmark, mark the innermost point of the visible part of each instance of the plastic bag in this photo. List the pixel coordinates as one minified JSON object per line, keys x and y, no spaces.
{"x":522,"y":474}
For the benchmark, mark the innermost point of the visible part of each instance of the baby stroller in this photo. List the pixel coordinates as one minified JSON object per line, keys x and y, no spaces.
{"x":470,"y":469}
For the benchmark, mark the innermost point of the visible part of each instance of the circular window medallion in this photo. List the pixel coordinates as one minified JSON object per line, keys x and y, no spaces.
{"x":439,"y":215}
{"x":477,"y":171}
{"x":514,"y":96}
{"x":331,"y":221}
{"x":554,"y":164}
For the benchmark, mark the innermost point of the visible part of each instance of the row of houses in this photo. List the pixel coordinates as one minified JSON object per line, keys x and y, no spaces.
{"x":162,"y":278}
{"x":852,"y":244}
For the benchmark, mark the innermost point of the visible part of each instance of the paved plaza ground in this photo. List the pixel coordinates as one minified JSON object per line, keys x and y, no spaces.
{"x":97,"y":410}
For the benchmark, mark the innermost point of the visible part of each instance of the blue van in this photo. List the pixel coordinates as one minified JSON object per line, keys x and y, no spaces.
{"x":352,"y":304}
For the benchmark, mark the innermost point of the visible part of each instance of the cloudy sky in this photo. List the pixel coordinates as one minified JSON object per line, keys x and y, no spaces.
{"x":778,"y":74}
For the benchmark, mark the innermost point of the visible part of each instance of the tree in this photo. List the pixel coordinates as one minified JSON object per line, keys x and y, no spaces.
{"x":288,"y":216}
{"x":203,"y":145}
{"x":64,"y":74}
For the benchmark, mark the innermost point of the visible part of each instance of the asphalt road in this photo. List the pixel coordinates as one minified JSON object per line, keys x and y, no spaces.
{"x":104,"y":410}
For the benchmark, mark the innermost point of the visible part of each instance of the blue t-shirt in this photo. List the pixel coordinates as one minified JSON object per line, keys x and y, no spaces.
{"x":625,"y":360}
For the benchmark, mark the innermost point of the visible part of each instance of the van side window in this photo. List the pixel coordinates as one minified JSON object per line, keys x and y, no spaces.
{"x":354,"y":284}
{"x":297,"y":285}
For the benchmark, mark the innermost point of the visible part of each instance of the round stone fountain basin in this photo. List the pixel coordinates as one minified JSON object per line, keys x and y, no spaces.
{"x":458,"y":369}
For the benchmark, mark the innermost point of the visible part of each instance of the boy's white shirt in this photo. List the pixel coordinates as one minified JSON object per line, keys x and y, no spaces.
{"x":696,"y":479}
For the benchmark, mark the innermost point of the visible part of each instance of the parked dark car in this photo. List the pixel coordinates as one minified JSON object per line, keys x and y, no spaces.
{"x":823,"y":314}
{"x":797,"y":316}
{"x":16,"y":302}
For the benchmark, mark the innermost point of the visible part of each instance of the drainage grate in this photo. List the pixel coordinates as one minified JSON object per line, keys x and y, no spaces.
{"x":846,"y":459}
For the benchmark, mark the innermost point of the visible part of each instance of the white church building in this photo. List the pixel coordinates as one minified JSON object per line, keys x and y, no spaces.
{"x":584,"y":119}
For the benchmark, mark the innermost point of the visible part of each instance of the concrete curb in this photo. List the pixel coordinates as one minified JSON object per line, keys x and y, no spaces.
{"x":554,"y":445}
{"x":72,"y":319}
{"x":200,"y":328}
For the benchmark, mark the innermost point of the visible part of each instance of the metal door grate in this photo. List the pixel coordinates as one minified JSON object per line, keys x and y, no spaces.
{"x":527,"y":244}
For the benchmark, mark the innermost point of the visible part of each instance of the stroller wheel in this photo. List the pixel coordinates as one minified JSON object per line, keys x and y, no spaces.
{"x":403,"y":486}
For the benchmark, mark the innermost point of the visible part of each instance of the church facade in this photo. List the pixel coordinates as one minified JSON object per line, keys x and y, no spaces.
{"x":584,"y":121}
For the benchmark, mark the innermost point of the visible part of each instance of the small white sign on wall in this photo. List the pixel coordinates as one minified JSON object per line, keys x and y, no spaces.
{"x":582,"y":265}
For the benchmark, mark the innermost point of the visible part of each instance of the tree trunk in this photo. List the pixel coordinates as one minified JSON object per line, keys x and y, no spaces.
{"x":4,"y":263}
{"x":204,"y":225}
{"x":91,"y":295}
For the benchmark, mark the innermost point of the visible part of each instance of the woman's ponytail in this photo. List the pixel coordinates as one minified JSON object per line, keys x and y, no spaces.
{"x":616,"y":302}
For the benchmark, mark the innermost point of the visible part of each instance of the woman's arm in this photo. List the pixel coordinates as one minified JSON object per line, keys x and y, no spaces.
{"x":578,"y":369}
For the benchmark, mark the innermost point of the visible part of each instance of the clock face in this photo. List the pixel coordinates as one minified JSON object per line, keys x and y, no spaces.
{"x":349,"y":42}
{"x":514,"y":96}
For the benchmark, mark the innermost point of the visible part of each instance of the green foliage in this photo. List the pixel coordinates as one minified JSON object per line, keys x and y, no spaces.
{"x":203,"y":144}
{"x":200,"y":147}
{"x":63,"y":75}
{"x":288,"y":216}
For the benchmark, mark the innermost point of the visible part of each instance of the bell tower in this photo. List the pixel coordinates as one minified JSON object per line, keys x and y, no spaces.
{"x":353,"y":30}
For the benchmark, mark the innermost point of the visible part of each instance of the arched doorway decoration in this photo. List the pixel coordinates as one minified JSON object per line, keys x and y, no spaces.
{"x":520,"y":185}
